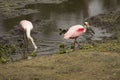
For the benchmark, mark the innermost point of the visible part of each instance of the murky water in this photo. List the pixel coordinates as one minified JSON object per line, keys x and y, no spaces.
{"x":51,"y":17}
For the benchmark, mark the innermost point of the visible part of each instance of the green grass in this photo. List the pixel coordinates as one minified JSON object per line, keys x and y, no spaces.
{"x":100,"y":62}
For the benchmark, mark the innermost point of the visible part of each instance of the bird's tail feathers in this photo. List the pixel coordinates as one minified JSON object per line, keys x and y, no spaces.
{"x":66,"y":36}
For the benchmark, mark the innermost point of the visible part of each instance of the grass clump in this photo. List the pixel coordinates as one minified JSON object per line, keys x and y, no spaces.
{"x":63,"y":48}
{"x":6,"y":51}
{"x":105,"y":46}
{"x":86,"y":46}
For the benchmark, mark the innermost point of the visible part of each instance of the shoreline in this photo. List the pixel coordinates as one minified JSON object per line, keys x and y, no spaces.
{"x":94,"y":63}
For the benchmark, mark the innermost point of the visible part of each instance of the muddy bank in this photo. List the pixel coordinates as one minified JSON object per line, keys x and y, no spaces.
{"x":13,"y":8}
{"x":107,"y":20}
{"x":110,"y":21}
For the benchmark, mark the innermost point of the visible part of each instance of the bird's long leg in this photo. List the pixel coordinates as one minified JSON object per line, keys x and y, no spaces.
{"x":31,"y":39}
{"x":76,"y":42}
{"x":33,"y":44}
{"x":25,"y":44}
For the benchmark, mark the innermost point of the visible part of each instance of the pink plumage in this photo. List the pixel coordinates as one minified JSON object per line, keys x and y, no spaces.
{"x":27,"y":26}
{"x":74,"y":32}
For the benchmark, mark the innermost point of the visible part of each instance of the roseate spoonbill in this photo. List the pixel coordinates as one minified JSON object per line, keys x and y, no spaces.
{"x":26,"y":26}
{"x":75,"y":31}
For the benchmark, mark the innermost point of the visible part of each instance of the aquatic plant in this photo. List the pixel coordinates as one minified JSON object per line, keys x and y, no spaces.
{"x":33,"y":54}
{"x":62,"y":48}
{"x":6,"y":51}
{"x":3,"y":60}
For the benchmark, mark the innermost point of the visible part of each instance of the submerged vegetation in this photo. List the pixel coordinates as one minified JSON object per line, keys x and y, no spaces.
{"x":6,"y":51}
{"x":63,"y":49}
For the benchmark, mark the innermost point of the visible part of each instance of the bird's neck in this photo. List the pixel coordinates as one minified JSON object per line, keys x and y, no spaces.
{"x":30,"y":38}
{"x":28,"y":33}
{"x":85,"y":26}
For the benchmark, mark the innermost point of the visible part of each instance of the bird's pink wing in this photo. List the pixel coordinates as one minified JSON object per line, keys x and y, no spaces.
{"x":74,"y":32}
{"x":68,"y":34}
{"x":24,"y":24}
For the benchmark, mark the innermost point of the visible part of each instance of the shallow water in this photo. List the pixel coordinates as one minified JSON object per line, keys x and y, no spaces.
{"x":51,"y":17}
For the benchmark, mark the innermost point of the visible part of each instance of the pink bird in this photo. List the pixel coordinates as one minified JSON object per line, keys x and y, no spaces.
{"x":75,"y":31}
{"x":27,"y":26}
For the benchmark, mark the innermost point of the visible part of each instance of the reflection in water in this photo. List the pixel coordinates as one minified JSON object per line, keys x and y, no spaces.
{"x":111,"y":4}
{"x":51,"y":17}
{"x":95,"y":7}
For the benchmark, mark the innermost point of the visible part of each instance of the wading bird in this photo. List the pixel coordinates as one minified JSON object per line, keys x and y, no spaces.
{"x":75,"y":31}
{"x":26,"y":27}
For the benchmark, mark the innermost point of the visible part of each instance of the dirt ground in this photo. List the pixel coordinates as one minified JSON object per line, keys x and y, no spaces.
{"x":98,"y":63}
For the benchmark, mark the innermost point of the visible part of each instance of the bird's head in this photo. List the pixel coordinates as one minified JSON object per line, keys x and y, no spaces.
{"x":86,"y":24}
